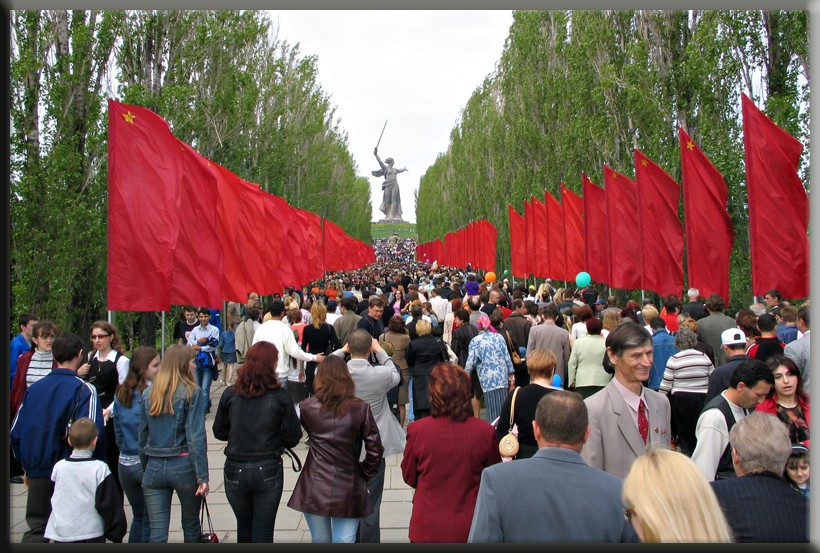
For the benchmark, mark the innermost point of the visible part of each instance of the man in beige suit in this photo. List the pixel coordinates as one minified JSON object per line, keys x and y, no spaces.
{"x":626,"y":417}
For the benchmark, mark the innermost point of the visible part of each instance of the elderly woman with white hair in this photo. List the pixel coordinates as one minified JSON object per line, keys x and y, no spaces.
{"x":686,"y":381}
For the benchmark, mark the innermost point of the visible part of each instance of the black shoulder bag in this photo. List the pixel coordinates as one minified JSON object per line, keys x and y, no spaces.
{"x":295,"y":461}
{"x":71,"y":416}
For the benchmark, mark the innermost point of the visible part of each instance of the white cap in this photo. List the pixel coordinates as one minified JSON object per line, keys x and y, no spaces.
{"x":733,"y":336}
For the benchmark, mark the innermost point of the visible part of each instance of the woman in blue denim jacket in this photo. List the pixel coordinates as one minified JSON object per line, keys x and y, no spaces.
{"x":173,"y":445}
{"x":126,"y":419}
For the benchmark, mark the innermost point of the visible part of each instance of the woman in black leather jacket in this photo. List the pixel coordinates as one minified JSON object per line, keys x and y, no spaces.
{"x":258,"y":420}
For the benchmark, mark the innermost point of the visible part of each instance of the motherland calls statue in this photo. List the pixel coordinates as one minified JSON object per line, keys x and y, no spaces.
{"x":391,"y":201}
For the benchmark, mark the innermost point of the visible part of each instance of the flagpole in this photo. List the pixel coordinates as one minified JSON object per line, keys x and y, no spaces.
{"x":162,"y":348}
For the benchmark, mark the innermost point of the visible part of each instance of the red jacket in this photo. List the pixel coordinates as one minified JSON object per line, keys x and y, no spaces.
{"x":443,"y":461}
{"x":769,"y":406}
{"x":18,"y":387}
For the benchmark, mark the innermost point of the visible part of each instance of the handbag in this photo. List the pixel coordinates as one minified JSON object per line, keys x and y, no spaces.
{"x":295,"y":461}
{"x":508,"y":446}
{"x":516,"y":359}
{"x":210,"y":536}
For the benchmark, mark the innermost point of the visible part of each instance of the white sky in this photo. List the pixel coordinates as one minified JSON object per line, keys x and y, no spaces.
{"x":415,"y":69}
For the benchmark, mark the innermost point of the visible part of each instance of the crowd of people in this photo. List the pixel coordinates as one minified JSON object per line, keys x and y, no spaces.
{"x":634,"y":422}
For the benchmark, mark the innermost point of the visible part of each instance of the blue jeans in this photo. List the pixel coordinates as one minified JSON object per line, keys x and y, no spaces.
{"x":253,"y":489}
{"x":131,"y":480}
{"x":332,"y":529}
{"x":410,"y":417}
{"x":204,"y":377}
{"x":163,"y":476}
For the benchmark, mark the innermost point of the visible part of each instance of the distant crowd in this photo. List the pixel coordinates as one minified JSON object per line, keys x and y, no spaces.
{"x":521,"y":413}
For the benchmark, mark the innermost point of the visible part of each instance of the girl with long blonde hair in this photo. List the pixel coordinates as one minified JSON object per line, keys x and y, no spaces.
{"x":173,"y":445}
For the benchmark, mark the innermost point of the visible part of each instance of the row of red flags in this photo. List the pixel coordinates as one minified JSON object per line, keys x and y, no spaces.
{"x":185,"y":230}
{"x":629,"y":235}
{"x":472,"y":245}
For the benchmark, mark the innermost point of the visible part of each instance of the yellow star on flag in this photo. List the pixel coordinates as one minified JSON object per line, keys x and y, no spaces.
{"x":614,"y":175}
{"x":129,"y":117}
{"x":644,"y":162}
{"x":690,"y":145}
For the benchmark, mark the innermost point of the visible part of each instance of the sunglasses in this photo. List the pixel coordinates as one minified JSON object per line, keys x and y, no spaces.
{"x":99,"y":336}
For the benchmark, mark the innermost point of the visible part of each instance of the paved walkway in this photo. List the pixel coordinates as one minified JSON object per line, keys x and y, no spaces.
{"x":290,"y":525}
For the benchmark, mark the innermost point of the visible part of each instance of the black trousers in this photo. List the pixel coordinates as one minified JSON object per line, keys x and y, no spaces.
{"x":686,"y":408}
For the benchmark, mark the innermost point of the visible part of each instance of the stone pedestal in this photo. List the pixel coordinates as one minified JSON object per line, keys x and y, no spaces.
{"x":390,"y":221}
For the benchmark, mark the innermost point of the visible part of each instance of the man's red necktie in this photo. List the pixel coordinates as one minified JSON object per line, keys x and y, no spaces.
{"x":643,"y":422}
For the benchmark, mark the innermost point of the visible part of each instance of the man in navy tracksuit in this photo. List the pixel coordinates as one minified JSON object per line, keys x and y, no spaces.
{"x":39,"y":429}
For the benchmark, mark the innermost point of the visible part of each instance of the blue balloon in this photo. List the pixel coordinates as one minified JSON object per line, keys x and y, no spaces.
{"x":583,"y":279}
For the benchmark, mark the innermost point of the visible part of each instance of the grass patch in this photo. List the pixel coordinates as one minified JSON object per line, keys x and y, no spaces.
{"x":384,"y":230}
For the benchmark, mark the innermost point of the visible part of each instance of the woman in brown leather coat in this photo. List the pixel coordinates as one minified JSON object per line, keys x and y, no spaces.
{"x":332,"y":490}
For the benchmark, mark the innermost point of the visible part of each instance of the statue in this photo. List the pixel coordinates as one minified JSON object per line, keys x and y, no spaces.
{"x":391,"y":201}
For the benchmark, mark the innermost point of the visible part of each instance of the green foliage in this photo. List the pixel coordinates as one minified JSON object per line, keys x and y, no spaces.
{"x":575,"y":90}
{"x":384,"y":230}
{"x":224,"y":82}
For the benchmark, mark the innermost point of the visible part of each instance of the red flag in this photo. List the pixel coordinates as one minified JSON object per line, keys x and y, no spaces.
{"x":438,"y":251}
{"x":279,"y":216}
{"x":541,"y":239}
{"x":144,"y":171}
{"x":709,"y":230}
{"x":240,"y":211}
{"x":313,"y":229}
{"x":199,"y":261}
{"x":778,"y":206}
{"x":298,"y":244}
{"x":557,"y":239}
{"x":518,"y":242}
{"x":489,"y":239}
{"x":529,"y":220}
{"x":596,"y":231}
{"x":661,"y":230}
{"x":624,"y":234}
{"x":574,"y":231}
{"x":446,"y":259}
{"x":334,"y":246}
{"x":469,"y":244}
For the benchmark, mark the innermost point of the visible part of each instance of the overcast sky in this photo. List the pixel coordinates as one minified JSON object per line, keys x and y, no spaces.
{"x":415,"y":69}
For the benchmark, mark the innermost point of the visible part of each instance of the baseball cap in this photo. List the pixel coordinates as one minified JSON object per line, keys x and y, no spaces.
{"x":532,"y":287}
{"x":732,"y":336}
{"x":600,"y":302}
